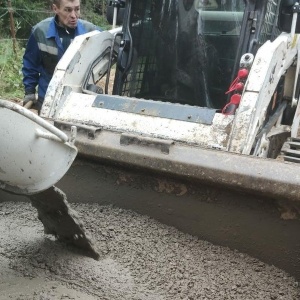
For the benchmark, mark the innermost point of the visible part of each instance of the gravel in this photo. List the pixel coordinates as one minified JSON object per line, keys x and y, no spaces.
{"x":140,"y":258}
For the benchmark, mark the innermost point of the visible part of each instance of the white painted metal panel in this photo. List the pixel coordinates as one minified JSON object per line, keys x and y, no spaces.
{"x":78,"y":109}
{"x":270,"y":63}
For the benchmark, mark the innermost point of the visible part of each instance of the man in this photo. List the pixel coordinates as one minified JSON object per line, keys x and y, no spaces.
{"x":47,"y":43}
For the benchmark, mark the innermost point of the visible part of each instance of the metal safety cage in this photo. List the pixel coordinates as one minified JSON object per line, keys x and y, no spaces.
{"x":167,"y":54}
{"x":183,"y":52}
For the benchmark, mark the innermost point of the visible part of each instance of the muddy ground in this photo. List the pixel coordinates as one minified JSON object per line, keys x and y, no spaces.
{"x":140,"y":259}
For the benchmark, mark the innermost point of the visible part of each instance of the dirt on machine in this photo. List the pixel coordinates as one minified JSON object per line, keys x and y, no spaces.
{"x":189,"y":112}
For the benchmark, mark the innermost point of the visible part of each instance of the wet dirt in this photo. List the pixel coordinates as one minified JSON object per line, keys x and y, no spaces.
{"x":140,"y":258}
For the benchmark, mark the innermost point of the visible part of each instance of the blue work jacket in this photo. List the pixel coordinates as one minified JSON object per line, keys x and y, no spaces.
{"x":43,"y":51}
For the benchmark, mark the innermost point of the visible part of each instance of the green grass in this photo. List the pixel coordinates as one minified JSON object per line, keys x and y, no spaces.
{"x":11,"y":85}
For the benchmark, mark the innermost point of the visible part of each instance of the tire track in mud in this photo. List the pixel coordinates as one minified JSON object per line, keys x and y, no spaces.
{"x":140,"y":259}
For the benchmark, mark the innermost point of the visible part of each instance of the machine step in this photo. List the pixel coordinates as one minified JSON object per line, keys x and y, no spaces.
{"x":291,"y":150}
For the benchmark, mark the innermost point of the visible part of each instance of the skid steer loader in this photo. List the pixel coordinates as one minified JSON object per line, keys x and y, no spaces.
{"x":203,"y":90}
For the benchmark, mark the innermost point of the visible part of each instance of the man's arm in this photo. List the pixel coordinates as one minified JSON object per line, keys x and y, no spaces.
{"x":31,"y":66}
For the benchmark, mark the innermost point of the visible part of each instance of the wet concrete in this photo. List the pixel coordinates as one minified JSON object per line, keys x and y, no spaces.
{"x":140,"y":259}
{"x":142,"y":254}
{"x":261,"y":227}
{"x":60,"y":220}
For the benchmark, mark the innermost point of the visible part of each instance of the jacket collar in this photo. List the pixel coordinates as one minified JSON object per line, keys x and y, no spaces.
{"x":52,"y":31}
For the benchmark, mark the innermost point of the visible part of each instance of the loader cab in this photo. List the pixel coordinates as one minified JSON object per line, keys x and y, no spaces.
{"x":188,"y":51}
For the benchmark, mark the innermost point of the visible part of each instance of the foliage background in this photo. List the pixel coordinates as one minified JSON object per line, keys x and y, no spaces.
{"x":24,"y":14}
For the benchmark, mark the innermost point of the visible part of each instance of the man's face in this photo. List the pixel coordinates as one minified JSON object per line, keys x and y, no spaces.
{"x":68,"y":12}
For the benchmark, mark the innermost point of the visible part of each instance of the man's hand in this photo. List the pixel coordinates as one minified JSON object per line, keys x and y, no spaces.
{"x":28,"y":98}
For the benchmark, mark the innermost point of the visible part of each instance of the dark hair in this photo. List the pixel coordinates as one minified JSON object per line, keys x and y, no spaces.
{"x":57,"y":2}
